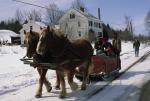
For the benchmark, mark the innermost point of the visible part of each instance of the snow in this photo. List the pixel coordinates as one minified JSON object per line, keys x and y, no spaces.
{"x":18,"y":82}
{"x":40,"y":24}
{"x":5,"y":35}
{"x":127,"y":86}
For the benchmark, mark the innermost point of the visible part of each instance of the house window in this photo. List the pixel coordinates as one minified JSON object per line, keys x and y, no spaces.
{"x":100,"y":34}
{"x":96,"y":24}
{"x":90,"y":23}
{"x":72,"y":16}
{"x":79,"y":24}
{"x":79,"y":33}
{"x":99,"y":25}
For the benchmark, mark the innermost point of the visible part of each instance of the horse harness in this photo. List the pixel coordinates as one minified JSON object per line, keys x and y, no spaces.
{"x":70,"y":48}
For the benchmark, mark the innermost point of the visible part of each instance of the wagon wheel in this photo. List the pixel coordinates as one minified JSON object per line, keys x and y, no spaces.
{"x":90,"y":79}
{"x":110,"y":76}
{"x":107,"y":77}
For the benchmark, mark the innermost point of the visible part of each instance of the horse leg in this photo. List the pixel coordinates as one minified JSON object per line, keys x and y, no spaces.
{"x":72,"y":84}
{"x":41,"y":81}
{"x":57,"y":81}
{"x":85,"y":74}
{"x":63,"y":92}
{"x":46,"y":82}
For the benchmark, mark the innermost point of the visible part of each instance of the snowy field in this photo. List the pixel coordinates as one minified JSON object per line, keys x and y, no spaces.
{"x":18,"y":82}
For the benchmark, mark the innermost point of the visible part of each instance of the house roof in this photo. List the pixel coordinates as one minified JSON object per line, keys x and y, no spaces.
{"x":26,"y":26}
{"x":85,"y":14}
{"x":5,"y":35}
{"x":88,"y":15}
{"x":40,"y":24}
{"x":35,"y":22}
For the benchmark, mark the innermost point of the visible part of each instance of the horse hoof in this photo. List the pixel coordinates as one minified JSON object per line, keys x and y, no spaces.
{"x":62,"y":96}
{"x":38,"y":96}
{"x":49,"y":89}
{"x":57,"y":87}
{"x":74,"y":87}
{"x":83,"y":88}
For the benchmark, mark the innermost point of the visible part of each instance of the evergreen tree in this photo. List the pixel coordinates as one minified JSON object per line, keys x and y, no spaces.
{"x":12,"y":24}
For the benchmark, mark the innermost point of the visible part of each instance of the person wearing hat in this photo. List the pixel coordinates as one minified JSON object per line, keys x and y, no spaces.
{"x":107,"y":47}
{"x":98,"y":46}
{"x":136,"y":46}
{"x":116,"y":43}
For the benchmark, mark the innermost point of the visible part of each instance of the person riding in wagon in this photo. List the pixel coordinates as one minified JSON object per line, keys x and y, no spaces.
{"x":103,"y":47}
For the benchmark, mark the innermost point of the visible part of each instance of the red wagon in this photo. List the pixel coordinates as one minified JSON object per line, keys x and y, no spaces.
{"x":103,"y":67}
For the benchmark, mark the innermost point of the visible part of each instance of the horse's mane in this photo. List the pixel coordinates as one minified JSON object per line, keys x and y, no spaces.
{"x":57,"y":32}
{"x":35,"y":33}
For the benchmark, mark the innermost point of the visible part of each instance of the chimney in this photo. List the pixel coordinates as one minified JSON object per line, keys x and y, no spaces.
{"x":30,"y":28}
{"x":99,"y":14}
{"x":82,"y":9}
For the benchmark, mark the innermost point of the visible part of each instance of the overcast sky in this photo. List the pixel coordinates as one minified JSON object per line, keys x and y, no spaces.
{"x":112,"y":11}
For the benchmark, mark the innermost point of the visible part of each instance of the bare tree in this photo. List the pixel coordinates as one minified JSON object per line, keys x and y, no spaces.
{"x":147,"y":22}
{"x":19,"y":16}
{"x":129,"y":25}
{"x":34,"y":15}
{"x":22,"y":16}
{"x":53,"y":14}
{"x":78,"y":4}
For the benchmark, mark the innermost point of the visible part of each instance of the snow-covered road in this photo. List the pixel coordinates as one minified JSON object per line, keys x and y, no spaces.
{"x":18,"y":82}
{"x":127,"y":87}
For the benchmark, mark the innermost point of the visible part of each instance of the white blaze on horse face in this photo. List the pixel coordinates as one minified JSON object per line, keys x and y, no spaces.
{"x":26,"y":40}
{"x":38,"y":46}
{"x":38,"y":50}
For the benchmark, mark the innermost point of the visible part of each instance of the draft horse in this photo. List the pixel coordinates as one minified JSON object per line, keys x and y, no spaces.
{"x":67,"y":55}
{"x":31,"y":41}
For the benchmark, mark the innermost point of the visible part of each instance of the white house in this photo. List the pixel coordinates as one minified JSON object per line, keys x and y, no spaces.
{"x":35,"y":27}
{"x":78,"y":23}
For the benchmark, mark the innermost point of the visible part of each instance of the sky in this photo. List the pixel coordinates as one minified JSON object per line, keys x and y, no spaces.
{"x":113,"y":12}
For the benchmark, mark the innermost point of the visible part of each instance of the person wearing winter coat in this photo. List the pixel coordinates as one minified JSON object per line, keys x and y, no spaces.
{"x":136,"y":46}
{"x":116,"y":43}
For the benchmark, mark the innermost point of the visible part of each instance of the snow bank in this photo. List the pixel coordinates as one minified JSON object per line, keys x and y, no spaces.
{"x":5,"y":35}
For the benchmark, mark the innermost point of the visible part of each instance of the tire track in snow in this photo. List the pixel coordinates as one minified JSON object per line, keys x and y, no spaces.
{"x":121,"y":73}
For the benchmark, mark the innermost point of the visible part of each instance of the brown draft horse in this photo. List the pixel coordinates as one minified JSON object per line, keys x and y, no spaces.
{"x":31,"y":41}
{"x":68,"y":55}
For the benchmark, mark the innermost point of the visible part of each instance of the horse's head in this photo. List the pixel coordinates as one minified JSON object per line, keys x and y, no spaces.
{"x":50,"y":42}
{"x":46,"y":40}
{"x":31,"y":41}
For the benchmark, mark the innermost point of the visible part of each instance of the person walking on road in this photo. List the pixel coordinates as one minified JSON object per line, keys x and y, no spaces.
{"x":136,"y":46}
{"x":116,"y":43}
